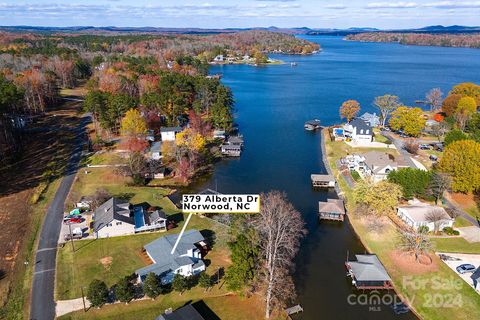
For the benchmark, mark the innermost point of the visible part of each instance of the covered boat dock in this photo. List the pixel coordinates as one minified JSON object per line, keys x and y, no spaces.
{"x":323,"y":180}
{"x":368,"y":273}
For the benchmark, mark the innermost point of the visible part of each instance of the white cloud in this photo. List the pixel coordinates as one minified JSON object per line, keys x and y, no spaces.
{"x":336,"y":6}
{"x":392,"y":5}
{"x":453,"y":4}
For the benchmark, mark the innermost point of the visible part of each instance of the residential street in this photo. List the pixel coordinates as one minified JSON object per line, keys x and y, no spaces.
{"x":43,"y":286}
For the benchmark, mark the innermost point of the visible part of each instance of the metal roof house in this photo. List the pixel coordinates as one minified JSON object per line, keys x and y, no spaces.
{"x":368,"y":272}
{"x":185,"y":260}
{"x":187,"y":312}
{"x":332,"y":209}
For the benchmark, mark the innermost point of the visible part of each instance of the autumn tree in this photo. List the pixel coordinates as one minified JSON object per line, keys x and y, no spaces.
{"x":349,"y":109}
{"x":133,"y":124}
{"x":467,"y":89}
{"x":449,"y":105}
{"x":386,"y":104}
{"x":379,"y":198}
{"x":410,"y":120}
{"x":434,"y":99}
{"x":279,"y":227}
{"x":467,"y":106}
{"x":460,"y":159}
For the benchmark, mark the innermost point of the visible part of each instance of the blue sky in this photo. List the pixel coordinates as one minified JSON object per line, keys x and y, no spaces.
{"x":246,"y":13}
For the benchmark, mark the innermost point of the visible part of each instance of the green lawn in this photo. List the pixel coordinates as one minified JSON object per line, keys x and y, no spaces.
{"x":457,"y":244}
{"x":384,"y":245}
{"x":75,"y":270}
{"x":461,"y":222}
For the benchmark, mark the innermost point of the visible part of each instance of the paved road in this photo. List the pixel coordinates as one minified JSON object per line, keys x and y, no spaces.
{"x":399,"y":145}
{"x":42,"y":301}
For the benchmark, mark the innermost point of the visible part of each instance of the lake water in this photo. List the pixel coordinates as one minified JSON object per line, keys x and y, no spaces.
{"x":271,"y":106}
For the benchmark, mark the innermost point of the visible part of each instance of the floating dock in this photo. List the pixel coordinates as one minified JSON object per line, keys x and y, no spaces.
{"x":295,"y":309}
{"x":311,"y":125}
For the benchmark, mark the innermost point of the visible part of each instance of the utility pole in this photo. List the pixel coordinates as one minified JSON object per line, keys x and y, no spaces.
{"x":71,"y":235}
{"x":83,"y":299}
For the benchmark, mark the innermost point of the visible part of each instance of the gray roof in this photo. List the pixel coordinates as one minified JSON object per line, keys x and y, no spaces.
{"x":360,"y":124}
{"x":368,"y":116}
{"x":113,"y":208}
{"x":156,"y":146}
{"x":155,"y":216}
{"x":368,"y":268}
{"x":187,"y":312}
{"x":377,"y":160}
{"x":332,"y":206}
{"x":159,"y":250}
{"x":235,"y":139}
{"x":169,"y":129}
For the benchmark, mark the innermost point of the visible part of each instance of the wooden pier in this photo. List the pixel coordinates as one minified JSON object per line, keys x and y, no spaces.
{"x":323,"y":180}
{"x":293,"y":310}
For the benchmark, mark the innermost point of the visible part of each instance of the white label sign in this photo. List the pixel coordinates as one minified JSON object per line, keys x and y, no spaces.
{"x":221,"y":203}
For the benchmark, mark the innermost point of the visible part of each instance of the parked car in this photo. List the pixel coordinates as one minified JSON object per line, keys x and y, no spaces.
{"x":424,"y":146}
{"x":465,"y":268}
{"x":433,"y":158}
{"x":438,"y":147}
{"x":69,"y":220}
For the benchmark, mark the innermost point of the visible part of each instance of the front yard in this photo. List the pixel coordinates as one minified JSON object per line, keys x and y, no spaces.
{"x":112,"y":258}
{"x":417,"y":283}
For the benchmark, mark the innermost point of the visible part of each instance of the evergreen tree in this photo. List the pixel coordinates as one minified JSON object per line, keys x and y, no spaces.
{"x":151,"y":286}
{"x":205,"y":281}
{"x":97,"y":293}
{"x":179,"y":283}
{"x":244,"y":256}
{"x":124,"y":290}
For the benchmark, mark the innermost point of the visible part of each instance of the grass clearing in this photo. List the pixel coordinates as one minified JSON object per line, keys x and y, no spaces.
{"x":461,"y":222}
{"x":456,"y":244}
{"x":385,"y":244}
{"x":77,"y":269}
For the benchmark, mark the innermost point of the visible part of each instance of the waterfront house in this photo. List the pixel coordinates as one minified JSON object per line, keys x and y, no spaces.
{"x":235,"y":140}
{"x":332,"y":209}
{"x":218,"y":58}
{"x":187,"y":312}
{"x":169,"y":133}
{"x":185,"y":260}
{"x":377,"y":165}
{"x":371,"y":118}
{"x":231,"y":150}
{"x":359,"y":131}
{"x":368,"y":272}
{"x":219,"y":134}
{"x":156,"y":150}
{"x":149,"y":221}
{"x":417,"y":213}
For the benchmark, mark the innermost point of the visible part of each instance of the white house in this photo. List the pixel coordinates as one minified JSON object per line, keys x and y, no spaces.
{"x":359,"y":131}
{"x":116,"y":217}
{"x":156,"y":150}
{"x":218,"y":58}
{"x":371,"y":118}
{"x":378,"y":165}
{"x":186,"y":259}
{"x":416,"y":215}
{"x":169,"y":133}
{"x":113,"y":218}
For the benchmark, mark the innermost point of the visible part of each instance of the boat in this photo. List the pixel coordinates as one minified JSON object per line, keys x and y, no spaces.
{"x":311,"y":125}
{"x":293,"y":64}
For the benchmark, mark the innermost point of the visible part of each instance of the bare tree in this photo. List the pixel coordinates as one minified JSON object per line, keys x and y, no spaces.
{"x":280,"y":228}
{"x":416,"y":242}
{"x":434,"y":99}
{"x":439,"y":183}
{"x":386,"y":104}
{"x":436,"y":217}
{"x":439,"y":130}
{"x":99,"y":197}
{"x":411,"y":145}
